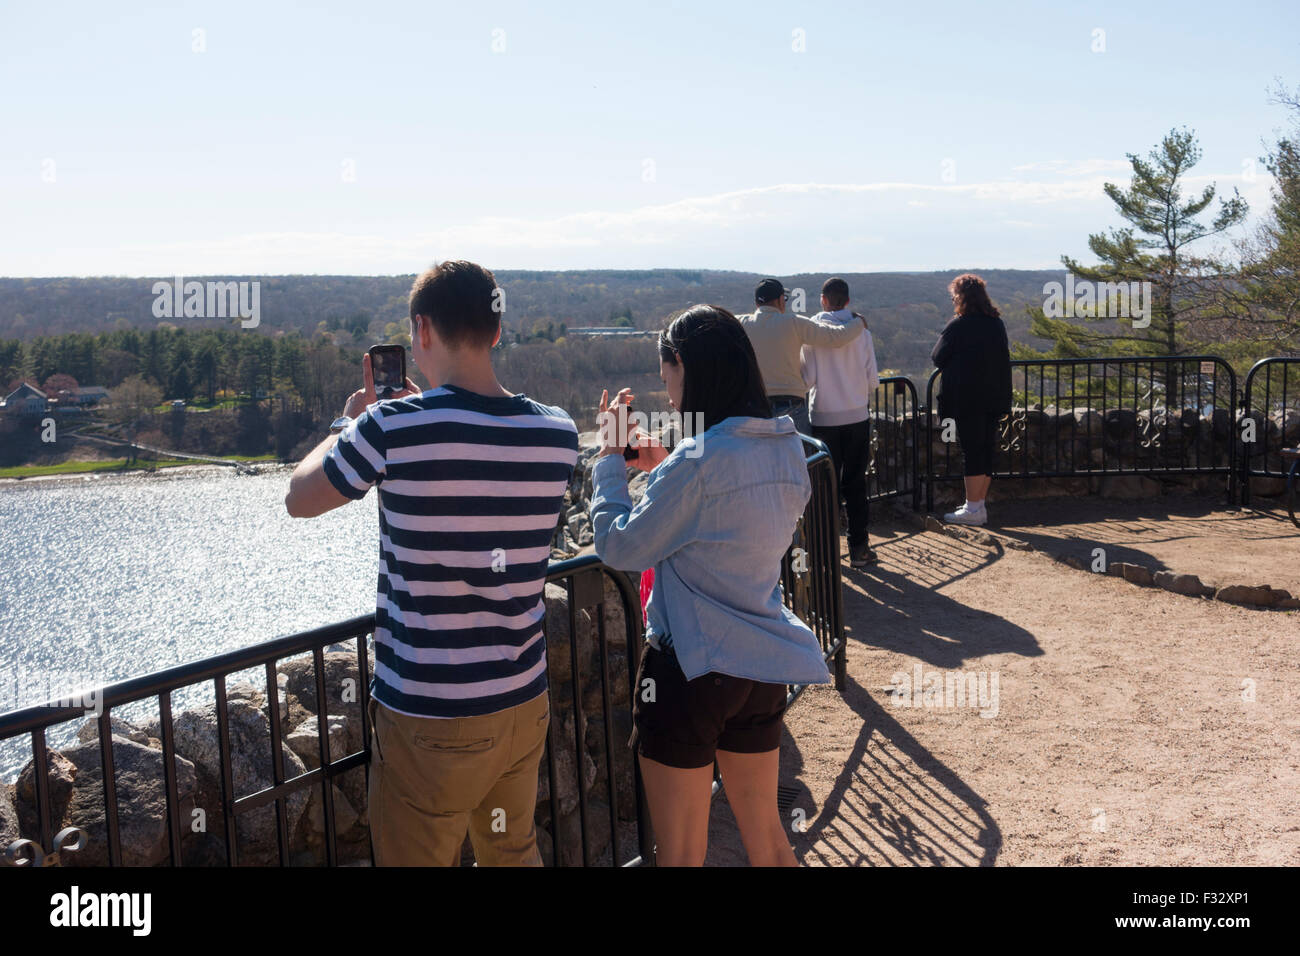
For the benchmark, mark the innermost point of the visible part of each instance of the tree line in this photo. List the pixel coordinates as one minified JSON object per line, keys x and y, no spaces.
{"x":207,"y":366}
{"x":275,"y":393}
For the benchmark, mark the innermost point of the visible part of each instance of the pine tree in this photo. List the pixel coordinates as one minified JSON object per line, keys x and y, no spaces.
{"x":1152,"y":249}
{"x":1268,"y":298}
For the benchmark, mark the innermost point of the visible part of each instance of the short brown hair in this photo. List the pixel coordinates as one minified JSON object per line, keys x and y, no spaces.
{"x":837,"y":293}
{"x":971,"y":297}
{"x":460,"y":300}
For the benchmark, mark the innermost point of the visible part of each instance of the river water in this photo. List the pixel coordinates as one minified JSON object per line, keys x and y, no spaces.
{"x":120,"y":576}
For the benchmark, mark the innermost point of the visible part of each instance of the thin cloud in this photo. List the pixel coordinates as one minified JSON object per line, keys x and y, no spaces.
{"x":779,"y":220}
{"x":1074,"y":167}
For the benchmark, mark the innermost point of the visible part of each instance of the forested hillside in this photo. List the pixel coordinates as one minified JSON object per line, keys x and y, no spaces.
{"x":906,"y":309}
{"x":273,"y":388}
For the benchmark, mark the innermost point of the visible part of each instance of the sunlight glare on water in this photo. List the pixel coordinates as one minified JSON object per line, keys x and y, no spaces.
{"x":118,"y":577}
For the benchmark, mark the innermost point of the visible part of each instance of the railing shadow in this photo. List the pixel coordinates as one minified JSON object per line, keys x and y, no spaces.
{"x":896,"y":604}
{"x":934,"y":561}
{"x":1141,"y":532}
{"x":895,"y":804}
{"x":1082,"y":547}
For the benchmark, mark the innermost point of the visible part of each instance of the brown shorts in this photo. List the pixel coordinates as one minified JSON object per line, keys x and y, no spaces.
{"x":688,"y":722}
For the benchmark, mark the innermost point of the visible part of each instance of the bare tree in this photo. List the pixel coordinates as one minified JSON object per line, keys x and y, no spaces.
{"x":129,"y":402}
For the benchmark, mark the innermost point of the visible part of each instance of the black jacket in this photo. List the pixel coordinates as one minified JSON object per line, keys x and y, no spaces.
{"x":973,"y":354}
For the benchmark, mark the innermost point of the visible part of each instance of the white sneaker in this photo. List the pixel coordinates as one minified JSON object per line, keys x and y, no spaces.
{"x":967,"y":515}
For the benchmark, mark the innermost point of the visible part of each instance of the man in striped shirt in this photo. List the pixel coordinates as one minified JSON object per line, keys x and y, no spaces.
{"x":471,"y":481}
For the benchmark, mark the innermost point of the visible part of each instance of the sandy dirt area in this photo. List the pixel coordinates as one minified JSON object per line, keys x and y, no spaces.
{"x":1185,"y":535}
{"x":1130,"y":726}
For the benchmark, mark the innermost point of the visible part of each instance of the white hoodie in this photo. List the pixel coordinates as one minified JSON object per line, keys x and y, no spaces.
{"x":840,"y":380}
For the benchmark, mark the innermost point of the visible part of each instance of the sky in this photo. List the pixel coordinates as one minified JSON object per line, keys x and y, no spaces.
{"x":157,"y":139}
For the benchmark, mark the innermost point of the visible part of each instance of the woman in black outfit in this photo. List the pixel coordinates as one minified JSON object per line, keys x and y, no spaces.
{"x":975,"y":389}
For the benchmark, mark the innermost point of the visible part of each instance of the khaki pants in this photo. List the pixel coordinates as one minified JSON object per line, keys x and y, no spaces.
{"x":432,"y":779}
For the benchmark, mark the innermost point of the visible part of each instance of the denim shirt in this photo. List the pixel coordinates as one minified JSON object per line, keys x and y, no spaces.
{"x":718,"y":516}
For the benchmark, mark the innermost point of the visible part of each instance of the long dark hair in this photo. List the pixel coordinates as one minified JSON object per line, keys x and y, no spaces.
{"x":971,"y":297}
{"x":721,"y":376}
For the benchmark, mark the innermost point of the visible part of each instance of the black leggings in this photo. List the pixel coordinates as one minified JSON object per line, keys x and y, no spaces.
{"x":977,"y":435}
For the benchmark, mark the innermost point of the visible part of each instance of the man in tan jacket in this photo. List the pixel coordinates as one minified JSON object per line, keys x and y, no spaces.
{"x":777,"y":336}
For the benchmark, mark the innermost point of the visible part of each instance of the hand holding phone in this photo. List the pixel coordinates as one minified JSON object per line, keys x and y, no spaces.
{"x":367,"y":395}
{"x":388,"y":365}
{"x":647,"y":453}
{"x":630,"y":451}
{"x":611,"y":421}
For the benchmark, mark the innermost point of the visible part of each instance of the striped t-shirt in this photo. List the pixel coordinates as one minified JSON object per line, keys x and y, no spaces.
{"x":470,"y":492}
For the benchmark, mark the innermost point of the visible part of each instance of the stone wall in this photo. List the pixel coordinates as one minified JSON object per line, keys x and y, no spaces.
{"x":595,"y":756}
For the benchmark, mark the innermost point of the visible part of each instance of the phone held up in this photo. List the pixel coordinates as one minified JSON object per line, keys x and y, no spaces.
{"x":388,"y":365}
{"x":630,"y":451}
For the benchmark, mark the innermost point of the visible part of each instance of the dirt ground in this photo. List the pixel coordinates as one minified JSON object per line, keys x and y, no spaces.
{"x":1130,"y":726}
{"x":1185,"y":535}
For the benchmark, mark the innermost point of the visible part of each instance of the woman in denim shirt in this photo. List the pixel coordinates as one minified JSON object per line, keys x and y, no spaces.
{"x":718,"y":515}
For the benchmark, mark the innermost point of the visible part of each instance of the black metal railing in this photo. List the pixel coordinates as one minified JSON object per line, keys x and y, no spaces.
{"x":35,"y":721}
{"x":895,"y":446}
{"x":1270,"y":409}
{"x":1100,"y":417}
{"x":810,"y":571}
{"x":584,"y":581}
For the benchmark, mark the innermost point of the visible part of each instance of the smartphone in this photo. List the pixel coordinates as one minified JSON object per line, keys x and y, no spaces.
{"x":388,"y":364}
{"x":630,"y":452}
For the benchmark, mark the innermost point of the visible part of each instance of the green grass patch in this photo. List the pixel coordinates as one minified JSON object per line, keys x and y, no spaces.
{"x":78,"y":467}
{"x":201,"y":405}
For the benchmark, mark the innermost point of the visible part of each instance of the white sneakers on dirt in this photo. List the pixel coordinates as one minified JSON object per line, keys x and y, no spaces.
{"x":968,"y":515}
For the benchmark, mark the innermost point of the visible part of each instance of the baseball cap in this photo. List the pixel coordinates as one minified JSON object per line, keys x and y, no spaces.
{"x":768,"y":290}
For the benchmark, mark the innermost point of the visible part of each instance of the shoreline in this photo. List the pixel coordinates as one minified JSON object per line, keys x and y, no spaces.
{"x":116,"y":474}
